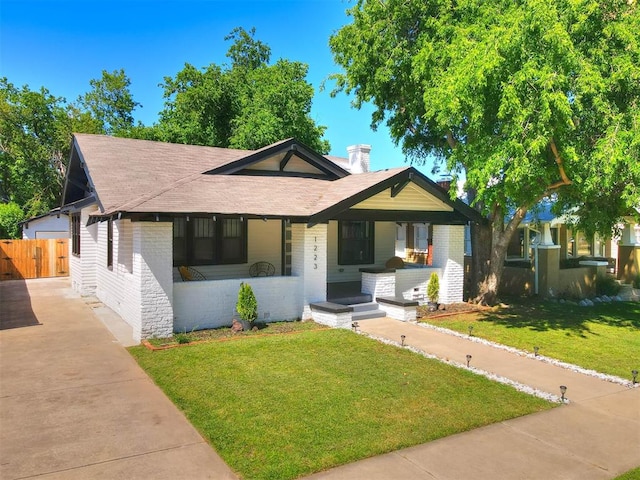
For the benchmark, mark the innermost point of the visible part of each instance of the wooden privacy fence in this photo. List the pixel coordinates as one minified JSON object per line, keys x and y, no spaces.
{"x":34,"y":258}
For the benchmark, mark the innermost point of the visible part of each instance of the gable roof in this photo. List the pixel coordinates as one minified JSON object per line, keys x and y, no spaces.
{"x":140,"y":178}
{"x":283,"y":151}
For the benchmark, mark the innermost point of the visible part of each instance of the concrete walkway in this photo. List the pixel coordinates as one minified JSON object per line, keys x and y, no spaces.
{"x":595,"y":436}
{"x":75,"y":405}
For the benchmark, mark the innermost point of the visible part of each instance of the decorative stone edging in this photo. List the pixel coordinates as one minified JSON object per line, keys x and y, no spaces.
{"x":491,"y":376}
{"x":542,"y":358}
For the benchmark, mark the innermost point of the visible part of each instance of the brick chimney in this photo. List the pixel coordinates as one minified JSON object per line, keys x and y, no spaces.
{"x":359,"y":158}
{"x":445,"y":183}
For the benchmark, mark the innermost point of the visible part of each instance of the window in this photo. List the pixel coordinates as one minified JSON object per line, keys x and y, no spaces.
{"x":515,"y":249}
{"x":205,"y":241}
{"x":584,"y":245}
{"x":75,"y":234}
{"x":355,"y":243}
{"x":110,"y":243}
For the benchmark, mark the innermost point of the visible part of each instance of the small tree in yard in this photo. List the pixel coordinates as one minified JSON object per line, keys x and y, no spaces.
{"x":247,"y":305}
{"x":433,"y":288}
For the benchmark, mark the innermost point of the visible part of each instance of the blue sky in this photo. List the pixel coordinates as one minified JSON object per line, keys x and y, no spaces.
{"x":63,"y":44}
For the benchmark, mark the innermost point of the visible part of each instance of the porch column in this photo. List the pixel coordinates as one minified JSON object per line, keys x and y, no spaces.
{"x":548,"y":273}
{"x":153,"y":273}
{"x":309,"y":262}
{"x":628,"y":255}
{"x":448,"y":255}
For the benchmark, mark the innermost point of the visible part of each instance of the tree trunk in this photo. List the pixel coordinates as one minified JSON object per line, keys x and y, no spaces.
{"x":481,"y":256}
{"x":492,"y":242}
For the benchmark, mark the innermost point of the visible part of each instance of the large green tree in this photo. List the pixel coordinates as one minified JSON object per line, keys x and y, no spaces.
{"x":35,"y":136}
{"x":35,"y":132}
{"x":247,"y":104}
{"x":110,"y":102}
{"x":528,"y":100}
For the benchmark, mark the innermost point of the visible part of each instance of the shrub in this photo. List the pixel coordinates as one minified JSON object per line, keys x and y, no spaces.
{"x":181,"y":337}
{"x":607,"y":285}
{"x":10,"y":215}
{"x":433,"y":288}
{"x":247,"y":305}
{"x":636,"y":281}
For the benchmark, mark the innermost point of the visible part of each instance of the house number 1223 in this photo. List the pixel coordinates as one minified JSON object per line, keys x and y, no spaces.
{"x":315,"y":255}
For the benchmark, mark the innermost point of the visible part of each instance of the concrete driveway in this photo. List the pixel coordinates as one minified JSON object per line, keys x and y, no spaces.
{"x":75,"y":405}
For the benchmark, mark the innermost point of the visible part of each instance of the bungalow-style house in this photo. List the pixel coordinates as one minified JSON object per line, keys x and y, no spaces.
{"x":568,"y":260}
{"x":148,"y":217}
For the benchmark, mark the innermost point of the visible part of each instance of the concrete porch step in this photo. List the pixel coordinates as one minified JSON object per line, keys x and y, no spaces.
{"x":353,"y":299}
{"x":366,"y":314}
{"x":363,"y":307}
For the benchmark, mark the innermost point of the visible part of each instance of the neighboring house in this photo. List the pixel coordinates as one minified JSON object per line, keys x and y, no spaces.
{"x":140,"y":210}
{"x":570,"y":250}
{"x":53,"y":224}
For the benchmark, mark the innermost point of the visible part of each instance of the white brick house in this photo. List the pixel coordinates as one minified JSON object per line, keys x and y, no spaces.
{"x":139,"y":210}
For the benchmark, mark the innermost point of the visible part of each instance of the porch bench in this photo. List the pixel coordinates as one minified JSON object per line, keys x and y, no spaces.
{"x":331,"y":314}
{"x":399,"y":308}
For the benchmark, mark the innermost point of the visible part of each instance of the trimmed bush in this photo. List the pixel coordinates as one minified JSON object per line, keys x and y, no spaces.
{"x":247,"y":305}
{"x":433,"y":288}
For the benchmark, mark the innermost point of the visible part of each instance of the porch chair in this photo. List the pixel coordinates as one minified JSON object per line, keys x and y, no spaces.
{"x":262,"y":269}
{"x":189,"y":273}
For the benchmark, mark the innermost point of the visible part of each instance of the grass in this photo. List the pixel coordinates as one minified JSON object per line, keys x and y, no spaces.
{"x":630,"y":475}
{"x":605,"y":337}
{"x":282,"y":406}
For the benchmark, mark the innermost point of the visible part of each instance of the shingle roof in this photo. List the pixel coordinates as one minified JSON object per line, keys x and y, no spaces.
{"x":255,"y":195}
{"x":122,"y":169}
{"x":140,"y":177}
{"x":143,"y":176}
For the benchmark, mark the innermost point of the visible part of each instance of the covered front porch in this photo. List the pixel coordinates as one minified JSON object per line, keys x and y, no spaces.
{"x":310,"y":268}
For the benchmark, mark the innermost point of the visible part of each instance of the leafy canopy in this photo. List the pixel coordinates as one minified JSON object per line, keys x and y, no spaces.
{"x":527,"y":99}
{"x":35,"y":135}
{"x":247,"y":105}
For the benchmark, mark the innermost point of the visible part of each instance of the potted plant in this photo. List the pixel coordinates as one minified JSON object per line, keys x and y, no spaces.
{"x":247,"y":306}
{"x":433,"y":291}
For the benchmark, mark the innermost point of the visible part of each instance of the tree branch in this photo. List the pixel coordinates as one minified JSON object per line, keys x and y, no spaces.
{"x":451,"y":140}
{"x":563,"y":175}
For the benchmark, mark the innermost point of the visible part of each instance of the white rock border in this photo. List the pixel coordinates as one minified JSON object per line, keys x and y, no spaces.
{"x":569,"y":366}
{"x":491,"y":376}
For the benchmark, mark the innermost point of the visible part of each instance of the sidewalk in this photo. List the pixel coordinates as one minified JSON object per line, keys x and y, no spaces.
{"x":595,"y":436}
{"x":75,"y":405}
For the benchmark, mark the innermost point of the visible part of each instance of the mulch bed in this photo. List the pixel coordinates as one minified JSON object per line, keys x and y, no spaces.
{"x":423,"y":312}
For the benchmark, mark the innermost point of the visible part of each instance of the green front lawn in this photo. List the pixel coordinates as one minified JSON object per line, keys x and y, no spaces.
{"x":630,"y":475}
{"x":605,"y":337}
{"x":282,"y":406}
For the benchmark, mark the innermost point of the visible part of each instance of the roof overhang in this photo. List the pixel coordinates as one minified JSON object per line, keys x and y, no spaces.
{"x":459,"y":213}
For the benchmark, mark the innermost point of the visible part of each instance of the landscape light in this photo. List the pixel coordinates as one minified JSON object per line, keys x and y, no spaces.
{"x":563,"y":390}
{"x":535,"y":351}
{"x":468,"y":359}
{"x":402,"y":337}
{"x":470,"y":329}
{"x":634,"y":373}
{"x":355,"y":326}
